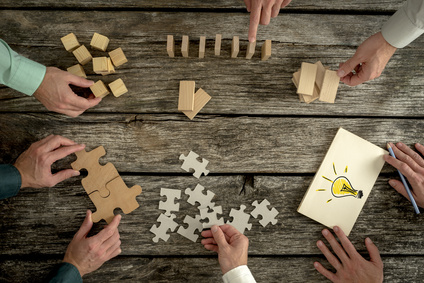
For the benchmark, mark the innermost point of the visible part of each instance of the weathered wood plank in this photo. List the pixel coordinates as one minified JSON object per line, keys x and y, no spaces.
{"x":27,"y":227}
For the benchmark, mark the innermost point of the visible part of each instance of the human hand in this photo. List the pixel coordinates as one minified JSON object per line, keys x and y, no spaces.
{"x":88,"y":254}
{"x":411,"y":165}
{"x":229,"y":243}
{"x":350,"y":267}
{"x":56,"y":95}
{"x":261,"y":11}
{"x":35,"y":163}
{"x":368,"y":62}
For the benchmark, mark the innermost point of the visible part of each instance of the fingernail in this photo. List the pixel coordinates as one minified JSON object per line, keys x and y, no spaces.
{"x":341,"y":73}
{"x":316,"y":264}
{"x":392,"y":183}
{"x":76,"y":173}
{"x":214,"y":228}
{"x":320,"y":243}
{"x":368,"y":240}
{"x":325,"y":232}
{"x":336,"y":228}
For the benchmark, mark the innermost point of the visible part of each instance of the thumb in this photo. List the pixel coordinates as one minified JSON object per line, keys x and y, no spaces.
{"x":373,"y":251}
{"x":78,"y":81}
{"x":85,"y":226}
{"x":218,"y":236}
{"x":64,"y":174}
{"x":347,"y":67}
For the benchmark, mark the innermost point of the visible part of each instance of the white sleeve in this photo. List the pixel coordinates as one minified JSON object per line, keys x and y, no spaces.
{"x":405,"y":25}
{"x":240,"y":274}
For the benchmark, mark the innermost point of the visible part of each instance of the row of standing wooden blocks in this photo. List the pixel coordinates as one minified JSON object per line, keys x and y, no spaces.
{"x":189,"y":101}
{"x":235,"y":47}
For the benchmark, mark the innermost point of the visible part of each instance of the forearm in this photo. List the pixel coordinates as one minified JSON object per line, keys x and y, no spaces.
{"x":67,"y":273}
{"x":10,"y":181}
{"x":240,"y":274}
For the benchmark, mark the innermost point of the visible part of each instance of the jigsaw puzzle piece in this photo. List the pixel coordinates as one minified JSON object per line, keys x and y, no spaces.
{"x":169,"y":205}
{"x":197,"y":195}
{"x":240,"y":219}
{"x":268,"y":215}
{"x":193,"y":225}
{"x":191,"y":162}
{"x":167,"y":222}
{"x":211,"y":216}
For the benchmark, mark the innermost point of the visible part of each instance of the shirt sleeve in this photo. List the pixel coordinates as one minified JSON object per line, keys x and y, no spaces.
{"x":406,"y":25}
{"x":18,"y":72}
{"x":67,"y":273}
{"x":10,"y":181}
{"x":240,"y":274}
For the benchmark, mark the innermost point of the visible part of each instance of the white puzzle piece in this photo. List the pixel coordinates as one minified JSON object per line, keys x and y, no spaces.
{"x":193,"y":224}
{"x":240,"y":219}
{"x":191,"y":162}
{"x":268,"y":215}
{"x":211,"y":216}
{"x":166,"y":223}
{"x":198,"y":196}
{"x":169,"y":205}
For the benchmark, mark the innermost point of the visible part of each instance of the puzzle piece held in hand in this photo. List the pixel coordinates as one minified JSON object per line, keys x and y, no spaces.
{"x":98,"y":175}
{"x":120,"y":197}
{"x":240,"y":219}
{"x":197,"y":195}
{"x":167,"y":222}
{"x":211,"y":216}
{"x":191,"y":162}
{"x":268,"y":215}
{"x":169,"y":205}
{"x":193,"y":224}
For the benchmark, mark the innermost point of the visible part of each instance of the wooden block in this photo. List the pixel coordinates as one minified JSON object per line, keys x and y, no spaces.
{"x":82,"y":55}
{"x":320,"y":74}
{"x":118,"y":57}
{"x":305,"y":98}
{"x":202,"y":46}
{"x":77,"y":70}
{"x":235,"y":47}
{"x":70,"y":42}
{"x":100,"y":65}
{"x":218,"y":40}
{"x":330,"y":84}
{"x":118,"y":88}
{"x":99,"y":42}
{"x":308,"y":73}
{"x":186,"y":97}
{"x":200,"y":100}
{"x":170,"y":46}
{"x":185,"y":46}
{"x":266,"y":50}
{"x":250,"y":51}
{"x":99,"y":89}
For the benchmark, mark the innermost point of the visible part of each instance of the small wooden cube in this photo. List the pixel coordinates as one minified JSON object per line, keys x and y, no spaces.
{"x":185,"y":46}
{"x":118,"y":57}
{"x":77,"y":70}
{"x":266,"y":50}
{"x":218,"y":44}
{"x":250,"y":50}
{"x":202,"y":46}
{"x":170,"y":46}
{"x":82,"y":55}
{"x":70,"y":42}
{"x":100,"y":65}
{"x":99,"y":89}
{"x":118,"y":88}
{"x":235,"y":48}
{"x":99,"y":42}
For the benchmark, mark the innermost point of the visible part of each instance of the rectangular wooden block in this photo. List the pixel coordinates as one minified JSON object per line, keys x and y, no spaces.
{"x":266,"y":50}
{"x":70,"y":42}
{"x":320,"y":74}
{"x":218,"y":40}
{"x":185,"y":46}
{"x":330,"y":84}
{"x":200,"y":100}
{"x":308,"y":73}
{"x":250,"y":51}
{"x":202,"y":46}
{"x":77,"y":70}
{"x":305,"y":98}
{"x":118,"y":57}
{"x":118,"y":88}
{"x":99,"y":89}
{"x":99,"y":42}
{"x":100,"y":65}
{"x":186,"y":96}
{"x":170,"y":46}
{"x":235,"y":47}
{"x":82,"y":55}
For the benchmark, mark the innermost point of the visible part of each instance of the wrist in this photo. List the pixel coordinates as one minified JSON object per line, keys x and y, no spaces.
{"x":24,"y":183}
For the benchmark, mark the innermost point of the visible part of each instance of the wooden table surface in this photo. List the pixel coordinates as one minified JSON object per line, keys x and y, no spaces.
{"x":260,"y":140}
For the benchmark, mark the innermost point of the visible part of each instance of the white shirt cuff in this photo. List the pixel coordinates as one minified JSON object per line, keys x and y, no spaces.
{"x":240,"y":274}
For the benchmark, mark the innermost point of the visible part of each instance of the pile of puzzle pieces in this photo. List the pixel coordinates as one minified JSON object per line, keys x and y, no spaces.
{"x":235,"y":47}
{"x":105,"y":186}
{"x":314,"y":81}
{"x":189,"y":101}
{"x":207,"y":209}
{"x":101,"y":65}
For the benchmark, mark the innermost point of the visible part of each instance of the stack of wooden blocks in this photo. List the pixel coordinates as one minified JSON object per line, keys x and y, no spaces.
{"x":235,"y":47}
{"x":189,"y":102}
{"x":101,"y":65}
{"x":314,"y":81}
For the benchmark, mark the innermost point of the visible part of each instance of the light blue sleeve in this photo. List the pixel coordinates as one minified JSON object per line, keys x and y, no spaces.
{"x":18,"y":72}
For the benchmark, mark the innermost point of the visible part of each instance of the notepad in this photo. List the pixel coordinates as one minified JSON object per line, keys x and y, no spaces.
{"x":343,"y":182}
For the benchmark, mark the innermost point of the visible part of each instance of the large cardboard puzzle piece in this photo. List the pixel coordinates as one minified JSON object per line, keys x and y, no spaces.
{"x":191,"y":162}
{"x":240,"y":219}
{"x":169,"y":205}
{"x":193,"y":225}
{"x":197,"y":195}
{"x":268,"y":215}
{"x":167,"y":223}
{"x":212,"y":216}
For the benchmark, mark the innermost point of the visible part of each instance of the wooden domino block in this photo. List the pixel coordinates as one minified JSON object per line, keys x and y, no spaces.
{"x":100,"y":65}
{"x":202,"y":46}
{"x":250,"y":51}
{"x":118,"y":88}
{"x":118,"y":57}
{"x":200,"y":100}
{"x":308,"y":73}
{"x":320,"y":74}
{"x":70,"y":42}
{"x":235,"y":47}
{"x":82,"y":55}
{"x":186,"y":96}
{"x":170,"y":46}
{"x":77,"y":70}
{"x":218,"y":40}
{"x":266,"y":50}
{"x":330,"y":84}
{"x":305,"y":98}
{"x":99,"y":42}
{"x":185,"y":46}
{"x":99,"y":89}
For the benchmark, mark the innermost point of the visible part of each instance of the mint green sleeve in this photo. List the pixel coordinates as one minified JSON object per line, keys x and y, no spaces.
{"x":18,"y":72}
